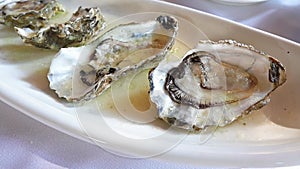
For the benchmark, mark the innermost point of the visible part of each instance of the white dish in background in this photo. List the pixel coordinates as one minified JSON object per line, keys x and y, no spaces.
{"x":239,"y":2}
{"x":267,"y":138}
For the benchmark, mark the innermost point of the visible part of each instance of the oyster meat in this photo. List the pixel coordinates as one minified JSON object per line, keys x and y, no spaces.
{"x":28,"y":13}
{"x":82,"y":28}
{"x":214,"y":84}
{"x":83,"y":73}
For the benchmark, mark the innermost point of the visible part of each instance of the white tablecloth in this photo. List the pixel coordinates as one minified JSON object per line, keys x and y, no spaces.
{"x":26,"y":143}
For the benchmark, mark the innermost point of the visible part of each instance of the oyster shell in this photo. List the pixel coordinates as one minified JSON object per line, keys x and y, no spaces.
{"x":214,"y":84}
{"x":83,"y":73}
{"x":82,"y":27}
{"x":28,"y":13}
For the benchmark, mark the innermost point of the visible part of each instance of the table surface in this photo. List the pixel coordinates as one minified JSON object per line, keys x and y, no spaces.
{"x":26,"y":143}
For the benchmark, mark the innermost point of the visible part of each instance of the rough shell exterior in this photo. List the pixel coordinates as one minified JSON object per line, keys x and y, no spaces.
{"x":84,"y":25}
{"x":33,"y":14}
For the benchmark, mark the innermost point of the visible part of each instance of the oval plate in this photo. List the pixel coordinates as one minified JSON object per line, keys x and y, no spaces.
{"x":267,"y":138}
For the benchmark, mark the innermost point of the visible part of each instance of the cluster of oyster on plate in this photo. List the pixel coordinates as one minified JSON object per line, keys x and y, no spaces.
{"x":31,"y":20}
{"x":212,"y":85}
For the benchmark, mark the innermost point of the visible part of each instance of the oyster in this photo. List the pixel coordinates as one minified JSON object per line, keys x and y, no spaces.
{"x":214,"y":84}
{"x":85,"y":72}
{"x":83,"y":26}
{"x":28,"y":13}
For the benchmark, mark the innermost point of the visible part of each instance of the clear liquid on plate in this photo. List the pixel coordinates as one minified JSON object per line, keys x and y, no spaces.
{"x":138,"y":89}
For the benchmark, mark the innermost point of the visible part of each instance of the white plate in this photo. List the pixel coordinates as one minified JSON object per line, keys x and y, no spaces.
{"x":267,"y":138}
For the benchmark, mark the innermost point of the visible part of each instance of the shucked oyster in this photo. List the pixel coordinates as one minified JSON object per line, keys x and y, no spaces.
{"x":214,"y":84}
{"x":28,"y":13}
{"x":82,"y":27}
{"x":85,"y":72}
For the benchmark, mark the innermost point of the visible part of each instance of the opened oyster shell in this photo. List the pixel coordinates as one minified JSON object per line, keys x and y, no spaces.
{"x":83,"y":26}
{"x":214,"y":84}
{"x":83,"y":73}
{"x":28,"y":13}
